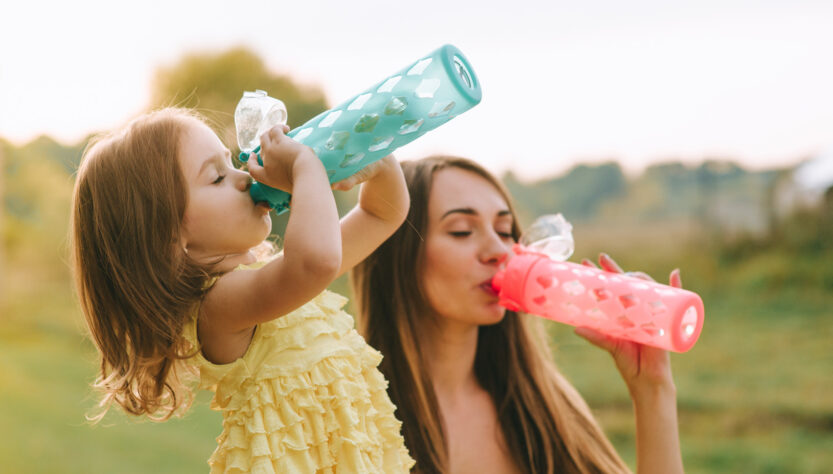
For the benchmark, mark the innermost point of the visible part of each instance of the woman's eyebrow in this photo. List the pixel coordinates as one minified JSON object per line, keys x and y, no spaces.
{"x":471,"y":212}
{"x":460,"y":210}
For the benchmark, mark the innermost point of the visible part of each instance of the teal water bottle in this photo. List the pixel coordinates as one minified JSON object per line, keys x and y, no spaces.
{"x":371,"y":125}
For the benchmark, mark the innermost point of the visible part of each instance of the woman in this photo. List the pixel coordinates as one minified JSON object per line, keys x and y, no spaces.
{"x":475,"y":386}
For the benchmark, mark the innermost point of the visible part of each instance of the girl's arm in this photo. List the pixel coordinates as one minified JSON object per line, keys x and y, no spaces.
{"x":382,"y":207}
{"x":311,"y":253}
{"x":646,"y":371}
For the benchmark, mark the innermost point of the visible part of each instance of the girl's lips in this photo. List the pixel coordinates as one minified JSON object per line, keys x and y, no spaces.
{"x":263,"y":205}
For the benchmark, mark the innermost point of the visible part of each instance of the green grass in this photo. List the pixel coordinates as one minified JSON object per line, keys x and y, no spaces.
{"x":754,"y":393}
{"x":46,"y":367}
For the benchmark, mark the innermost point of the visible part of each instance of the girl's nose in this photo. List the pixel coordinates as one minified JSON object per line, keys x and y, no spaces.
{"x":242,"y":180}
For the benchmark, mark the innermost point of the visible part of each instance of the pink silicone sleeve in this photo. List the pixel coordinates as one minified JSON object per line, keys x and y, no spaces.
{"x":612,"y":303}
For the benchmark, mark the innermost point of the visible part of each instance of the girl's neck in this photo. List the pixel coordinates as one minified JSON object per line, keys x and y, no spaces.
{"x":228,"y":262}
{"x":450,"y":352}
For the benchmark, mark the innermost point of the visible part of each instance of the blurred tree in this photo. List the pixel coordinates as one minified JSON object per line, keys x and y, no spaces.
{"x":37,"y":189}
{"x":213,"y":83}
{"x":2,"y":227}
{"x":579,"y":194}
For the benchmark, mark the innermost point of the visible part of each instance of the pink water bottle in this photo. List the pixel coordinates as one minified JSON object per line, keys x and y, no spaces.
{"x":612,"y":303}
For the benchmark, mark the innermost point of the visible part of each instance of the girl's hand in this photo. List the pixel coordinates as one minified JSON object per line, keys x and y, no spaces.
{"x":279,"y":154}
{"x":642,"y":367}
{"x":386,"y":164}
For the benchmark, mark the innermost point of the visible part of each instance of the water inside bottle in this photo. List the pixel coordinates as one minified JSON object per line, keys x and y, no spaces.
{"x":396,"y":106}
{"x":366,"y":123}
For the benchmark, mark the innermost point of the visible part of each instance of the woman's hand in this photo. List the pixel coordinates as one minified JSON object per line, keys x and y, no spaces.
{"x":387,"y":164}
{"x":647,"y":373}
{"x":642,"y":367}
{"x":382,"y":207}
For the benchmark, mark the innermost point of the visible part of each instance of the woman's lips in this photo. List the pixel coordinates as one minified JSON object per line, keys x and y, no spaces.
{"x":488,"y":288}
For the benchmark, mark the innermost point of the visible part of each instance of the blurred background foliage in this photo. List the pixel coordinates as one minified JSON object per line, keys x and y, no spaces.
{"x":213,"y":84}
{"x":754,"y":394}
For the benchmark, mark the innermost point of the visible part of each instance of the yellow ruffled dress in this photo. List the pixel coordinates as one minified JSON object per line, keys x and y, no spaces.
{"x":307,"y":397}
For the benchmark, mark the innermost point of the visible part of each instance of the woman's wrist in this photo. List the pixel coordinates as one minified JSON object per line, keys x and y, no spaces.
{"x":385,"y":194}
{"x":657,"y":430}
{"x":651,"y":394}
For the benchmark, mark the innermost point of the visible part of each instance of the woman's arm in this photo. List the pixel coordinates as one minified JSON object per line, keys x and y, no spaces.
{"x":382,"y":207}
{"x":657,"y":432}
{"x":646,"y":371}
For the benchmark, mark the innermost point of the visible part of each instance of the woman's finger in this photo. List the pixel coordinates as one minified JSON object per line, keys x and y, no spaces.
{"x":640,"y":275}
{"x":345,"y":184}
{"x":596,"y":338}
{"x":608,"y":264}
{"x":675,"y":280}
{"x":588,"y":263}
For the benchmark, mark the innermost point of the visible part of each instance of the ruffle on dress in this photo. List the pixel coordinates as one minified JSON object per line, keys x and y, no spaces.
{"x":307,"y":397}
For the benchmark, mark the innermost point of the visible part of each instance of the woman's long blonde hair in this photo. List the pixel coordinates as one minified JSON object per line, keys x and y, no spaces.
{"x":547,"y":425}
{"x":135,"y":283}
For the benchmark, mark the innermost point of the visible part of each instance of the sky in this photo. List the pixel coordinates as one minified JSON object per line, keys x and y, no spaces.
{"x":640,"y":81}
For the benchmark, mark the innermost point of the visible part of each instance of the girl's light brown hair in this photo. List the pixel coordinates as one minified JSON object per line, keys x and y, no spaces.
{"x":547,"y":425}
{"x":136,"y":284}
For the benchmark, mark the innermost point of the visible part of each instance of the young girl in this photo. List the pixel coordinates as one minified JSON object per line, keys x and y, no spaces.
{"x":164,"y":241}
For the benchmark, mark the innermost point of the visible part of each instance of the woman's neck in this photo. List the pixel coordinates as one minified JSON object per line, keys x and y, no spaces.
{"x":450,"y":352}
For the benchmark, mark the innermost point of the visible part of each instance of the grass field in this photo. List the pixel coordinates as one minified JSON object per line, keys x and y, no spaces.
{"x":754,"y":393}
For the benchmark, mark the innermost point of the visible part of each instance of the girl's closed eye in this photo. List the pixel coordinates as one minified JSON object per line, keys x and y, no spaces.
{"x":219,"y":179}
{"x":459,"y":233}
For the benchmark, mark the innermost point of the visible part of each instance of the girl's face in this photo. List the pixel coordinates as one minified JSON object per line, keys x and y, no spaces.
{"x":221,"y":219}
{"x":469,"y":235}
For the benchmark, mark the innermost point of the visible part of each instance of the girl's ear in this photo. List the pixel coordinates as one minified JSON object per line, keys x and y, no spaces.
{"x":181,"y":242}
{"x":181,"y":237}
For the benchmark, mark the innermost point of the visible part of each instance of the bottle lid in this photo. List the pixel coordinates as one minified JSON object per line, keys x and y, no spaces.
{"x":551,"y":235}
{"x":255,"y":114}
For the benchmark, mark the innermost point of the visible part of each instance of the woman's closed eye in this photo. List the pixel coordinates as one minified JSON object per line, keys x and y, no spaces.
{"x":219,"y":179}
{"x":466,"y":233}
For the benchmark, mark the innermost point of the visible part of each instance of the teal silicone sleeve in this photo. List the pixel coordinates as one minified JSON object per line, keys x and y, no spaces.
{"x":395,"y":111}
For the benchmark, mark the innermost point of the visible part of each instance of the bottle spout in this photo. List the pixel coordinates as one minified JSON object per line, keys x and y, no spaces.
{"x":497,"y":280}
{"x":504,"y":299}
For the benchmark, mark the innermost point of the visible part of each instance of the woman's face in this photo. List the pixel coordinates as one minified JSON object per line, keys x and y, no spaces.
{"x":469,"y":235}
